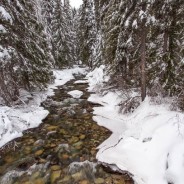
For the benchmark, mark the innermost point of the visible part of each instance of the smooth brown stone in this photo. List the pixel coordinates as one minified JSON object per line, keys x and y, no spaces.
{"x":55,"y":167}
{"x":84,"y":182}
{"x":54,"y":176}
{"x":39,"y":152}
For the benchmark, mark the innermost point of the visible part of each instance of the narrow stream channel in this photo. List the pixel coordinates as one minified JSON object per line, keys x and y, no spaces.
{"x":62,"y":149}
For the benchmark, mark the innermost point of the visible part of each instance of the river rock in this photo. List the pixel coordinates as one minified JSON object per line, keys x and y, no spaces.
{"x":42,"y":161}
{"x":52,"y":145}
{"x":66,"y":179}
{"x":31,"y":141}
{"x":27,"y":150}
{"x":55,"y":168}
{"x":84,"y":182}
{"x":65,"y":156}
{"x":51,"y":128}
{"x":39,"y":181}
{"x":82,"y":137}
{"x":99,"y":181}
{"x":62,"y":131}
{"x":35,"y":175}
{"x":78,"y":145}
{"x":54,"y":176}
{"x":73,"y":140}
{"x":39,"y":142}
{"x":78,"y":176}
{"x":39,"y":152}
{"x":27,"y":182}
{"x":9,"y":159}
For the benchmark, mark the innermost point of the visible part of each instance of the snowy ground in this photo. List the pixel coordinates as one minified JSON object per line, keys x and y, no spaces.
{"x":14,"y":120}
{"x":148,"y":143}
{"x":75,"y":93}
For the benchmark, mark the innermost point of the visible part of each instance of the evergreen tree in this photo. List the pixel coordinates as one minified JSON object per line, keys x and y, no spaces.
{"x":24,"y":48}
{"x":70,"y":34}
{"x":75,"y":30}
{"x":87,"y":32}
{"x":63,"y":34}
{"x":142,"y":42}
{"x":47,"y":8}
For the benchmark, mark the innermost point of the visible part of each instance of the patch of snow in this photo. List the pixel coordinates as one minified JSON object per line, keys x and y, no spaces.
{"x":5,"y":14}
{"x":127,"y":23}
{"x":2,"y":29}
{"x":97,"y":77}
{"x":14,"y":120}
{"x":134,"y":24}
{"x":75,"y":93}
{"x":148,"y":143}
{"x":4,"y":53}
{"x":81,"y":82}
{"x":142,"y":14}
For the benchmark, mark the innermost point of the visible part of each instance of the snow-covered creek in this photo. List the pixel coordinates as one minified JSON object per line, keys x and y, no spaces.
{"x":63,"y":148}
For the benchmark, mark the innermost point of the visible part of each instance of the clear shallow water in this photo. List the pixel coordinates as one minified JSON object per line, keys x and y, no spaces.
{"x":62,"y":150}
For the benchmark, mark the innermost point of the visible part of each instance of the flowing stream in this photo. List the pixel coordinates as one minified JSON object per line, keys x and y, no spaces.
{"x":62,"y":149}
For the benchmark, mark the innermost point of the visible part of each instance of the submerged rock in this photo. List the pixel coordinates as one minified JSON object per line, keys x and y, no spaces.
{"x":39,"y":152}
{"x":78,"y":176}
{"x":84,"y":182}
{"x":82,"y":137}
{"x":54,"y":176}
{"x":55,"y":167}
{"x":99,"y":181}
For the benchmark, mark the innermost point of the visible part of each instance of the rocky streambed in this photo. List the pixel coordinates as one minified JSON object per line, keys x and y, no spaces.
{"x":62,"y":149}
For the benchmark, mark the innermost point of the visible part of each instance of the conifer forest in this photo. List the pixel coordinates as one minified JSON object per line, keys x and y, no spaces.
{"x":92,"y":95}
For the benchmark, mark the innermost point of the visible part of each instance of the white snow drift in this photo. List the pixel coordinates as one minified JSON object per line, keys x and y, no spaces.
{"x":149,"y":143}
{"x":75,"y":93}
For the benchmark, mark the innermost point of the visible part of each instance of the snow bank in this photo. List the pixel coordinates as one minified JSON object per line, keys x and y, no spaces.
{"x":81,"y":82}
{"x":96,"y":78}
{"x":149,"y":143}
{"x":4,"y":52}
{"x":75,"y":93}
{"x":2,"y":29}
{"x":14,"y":120}
{"x":5,"y":14}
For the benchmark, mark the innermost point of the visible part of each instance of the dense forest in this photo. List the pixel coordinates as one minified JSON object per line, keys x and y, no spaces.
{"x":141,"y":43}
{"x":92,"y":95}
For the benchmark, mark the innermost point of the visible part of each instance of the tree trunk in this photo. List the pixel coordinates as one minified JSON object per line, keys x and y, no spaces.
{"x":143,"y":62}
{"x":165,"y":46}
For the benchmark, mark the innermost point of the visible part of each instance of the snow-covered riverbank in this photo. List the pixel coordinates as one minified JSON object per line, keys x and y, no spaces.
{"x":148,"y":143}
{"x":14,"y":120}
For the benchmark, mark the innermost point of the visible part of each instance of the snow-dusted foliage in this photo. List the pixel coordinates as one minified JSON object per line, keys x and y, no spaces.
{"x":35,"y":36}
{"x":87,"y":32}
{"x":63,"y":34}
{"x":23,"y":48}
{"x":124,"y":25}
